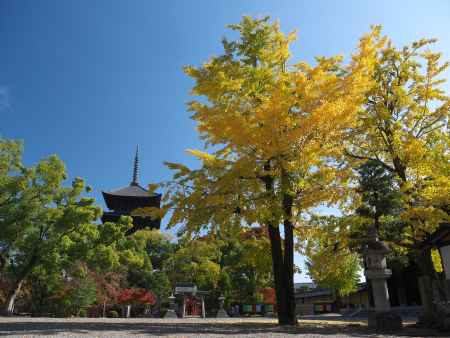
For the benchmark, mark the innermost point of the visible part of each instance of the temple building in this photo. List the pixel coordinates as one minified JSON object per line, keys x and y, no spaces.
{"x":123,"y":201}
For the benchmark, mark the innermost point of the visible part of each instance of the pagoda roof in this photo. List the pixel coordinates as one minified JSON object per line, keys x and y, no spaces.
{"x":132,"y":197}
{"x":133,"y":190}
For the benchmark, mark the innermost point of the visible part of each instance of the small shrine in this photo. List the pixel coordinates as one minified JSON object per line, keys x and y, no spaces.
{"x":193,"y":300}
{"x":123,"y":201}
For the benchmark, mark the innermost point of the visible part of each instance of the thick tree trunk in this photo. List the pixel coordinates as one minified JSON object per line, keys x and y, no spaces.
{"x":278,"y":273}
{"x":282,"y":262}
{"x":289,"y":261}
{"x":277,"y":259}
{"x":425,"y":265}
{"x":291,"y":318}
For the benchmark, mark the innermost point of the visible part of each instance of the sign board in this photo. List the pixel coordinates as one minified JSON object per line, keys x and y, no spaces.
{"x":186,"y":289}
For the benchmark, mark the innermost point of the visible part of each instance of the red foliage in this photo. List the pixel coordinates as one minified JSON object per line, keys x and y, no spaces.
{"x":136,"y":296}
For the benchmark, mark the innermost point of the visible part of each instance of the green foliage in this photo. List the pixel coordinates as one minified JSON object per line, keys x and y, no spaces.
{"x":74,"y":295}
{"x":378,"y":203}
{"x":49,"y":233}
{"x":113,"y":314}
{"x":379,"y":195}
{"x":330,"y":261}
{"x":82,"y":313}
{"x":44,"y":222}
{"x":196,"y":262}
{"x":246,"y":264}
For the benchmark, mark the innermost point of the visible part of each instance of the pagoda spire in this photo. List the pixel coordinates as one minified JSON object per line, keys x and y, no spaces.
{"x":136,"y":167}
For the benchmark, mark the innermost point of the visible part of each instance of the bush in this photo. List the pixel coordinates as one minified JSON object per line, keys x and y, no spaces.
{"x":82,"y":313}
{"x":113,"y":314}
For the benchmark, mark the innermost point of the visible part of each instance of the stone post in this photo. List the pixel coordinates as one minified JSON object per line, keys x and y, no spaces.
{"x":171,"y":311}
{"x":203,"y":308}
{"x":376,"y":274}
{"x":221,"y":313}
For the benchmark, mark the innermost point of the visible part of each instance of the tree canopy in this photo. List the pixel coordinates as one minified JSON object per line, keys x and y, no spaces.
{"x":274,"y":131}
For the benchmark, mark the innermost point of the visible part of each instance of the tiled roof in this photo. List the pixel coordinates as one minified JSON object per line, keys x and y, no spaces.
{"x":132,"y":190}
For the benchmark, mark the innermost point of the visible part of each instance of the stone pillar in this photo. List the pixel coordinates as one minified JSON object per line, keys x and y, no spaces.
{"x":379,"y":289}
{"x":221,"y":313}
{"x":128,"y":315}
{"x":382,"y":318}
{"x":171,"y":311}
{"x":203,"y":308}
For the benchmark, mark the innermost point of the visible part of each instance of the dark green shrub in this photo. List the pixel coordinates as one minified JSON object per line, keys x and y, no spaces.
{"x":113,"y":314}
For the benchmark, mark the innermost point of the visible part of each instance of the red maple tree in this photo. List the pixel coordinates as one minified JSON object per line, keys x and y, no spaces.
{"x":136,"y":296}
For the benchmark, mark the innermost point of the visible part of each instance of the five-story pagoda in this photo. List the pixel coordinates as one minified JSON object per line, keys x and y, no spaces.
{"x":123,"y":201}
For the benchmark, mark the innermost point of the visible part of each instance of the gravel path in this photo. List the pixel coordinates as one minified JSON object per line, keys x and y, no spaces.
{"x":151,"y":327}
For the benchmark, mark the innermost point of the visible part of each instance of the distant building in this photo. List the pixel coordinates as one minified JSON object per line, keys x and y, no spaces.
{"x":304,"y":286}
{"x":124,"y":201}
{"x":322,"y":300}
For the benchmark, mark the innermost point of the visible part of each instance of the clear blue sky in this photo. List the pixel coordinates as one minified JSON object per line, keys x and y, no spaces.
{"x":89,"y":79}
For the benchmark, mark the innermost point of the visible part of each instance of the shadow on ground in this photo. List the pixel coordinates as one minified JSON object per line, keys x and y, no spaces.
{"x":21,"y":328}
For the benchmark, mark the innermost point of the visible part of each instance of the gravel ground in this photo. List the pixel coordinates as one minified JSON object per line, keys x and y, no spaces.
{"x":151,"y":327}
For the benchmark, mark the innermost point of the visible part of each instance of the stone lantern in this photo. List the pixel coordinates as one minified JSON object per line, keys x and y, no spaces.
{"x":376,"y":272}
{"x":221,"y":313}
{"x":171,"y":311}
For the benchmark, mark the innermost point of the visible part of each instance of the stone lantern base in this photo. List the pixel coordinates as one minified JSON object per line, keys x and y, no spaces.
{"x":170,"y":314}
{"x":222,"y":314}
{"x":385,"y":321}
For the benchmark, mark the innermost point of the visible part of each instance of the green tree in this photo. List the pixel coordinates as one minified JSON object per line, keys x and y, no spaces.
{"x":195,"y":262}
{"x":157,"y":249}
{"x":245,"y":262}
{"x":48,"y":228}
{"x":38,"y":213}
{"x":77,"y":291}
{"x":379,"y":195}
{"x":331,"y":262}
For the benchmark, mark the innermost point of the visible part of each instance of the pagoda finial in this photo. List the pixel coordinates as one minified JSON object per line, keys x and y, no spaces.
{"x":136,"y":167}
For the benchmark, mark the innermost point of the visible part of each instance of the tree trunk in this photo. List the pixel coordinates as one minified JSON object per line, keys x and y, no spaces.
{"x":289,"y":273}
{"x":289,"y":261}
{"x":283,"y":265}
{"x":425,"y":265}
{"x":12,"y":298}
{"x":278,"y":273}
{"x":17,"y":286}
{"x":423,"y":260}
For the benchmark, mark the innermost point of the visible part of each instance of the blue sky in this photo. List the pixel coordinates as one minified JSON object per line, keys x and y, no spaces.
{"x":89,"y":79}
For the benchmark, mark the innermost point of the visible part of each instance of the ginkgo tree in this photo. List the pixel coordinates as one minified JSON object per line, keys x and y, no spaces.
{"x":404,"y":128}
{"x":274,"y":130}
